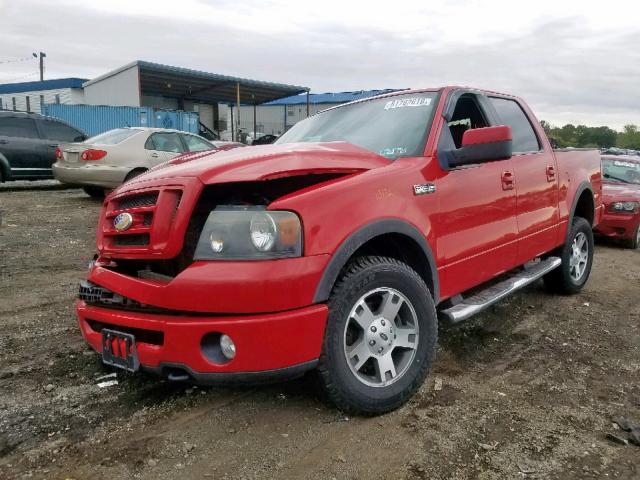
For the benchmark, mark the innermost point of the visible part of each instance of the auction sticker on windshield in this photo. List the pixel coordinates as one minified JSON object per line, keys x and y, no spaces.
{"x":408,"y":102}
{"x":393,"y":152}
{"x":618,"y":163}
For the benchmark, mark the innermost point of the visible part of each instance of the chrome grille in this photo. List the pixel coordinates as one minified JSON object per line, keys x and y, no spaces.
{"x":152,"y":213}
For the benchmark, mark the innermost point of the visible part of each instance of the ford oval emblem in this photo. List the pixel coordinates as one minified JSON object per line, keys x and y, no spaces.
{"x":122,"y":222}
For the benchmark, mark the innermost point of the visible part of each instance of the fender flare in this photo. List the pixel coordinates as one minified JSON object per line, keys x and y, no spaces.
{"x":5,"y":168}
{"x":358,"y":238}
{"x":579,"y":191}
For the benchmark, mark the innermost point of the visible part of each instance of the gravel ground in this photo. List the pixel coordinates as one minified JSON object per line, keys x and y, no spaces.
{"x":526,"y":390}
{"x":19,"y":185}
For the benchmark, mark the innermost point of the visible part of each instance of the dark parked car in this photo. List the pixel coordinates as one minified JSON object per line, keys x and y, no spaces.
{"x":28,"y":144}
{"x":265,"y":139}
{"x":222,"y":145}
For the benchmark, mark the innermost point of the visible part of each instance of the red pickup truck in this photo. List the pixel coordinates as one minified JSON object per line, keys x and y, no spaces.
{"x":338,"y":247}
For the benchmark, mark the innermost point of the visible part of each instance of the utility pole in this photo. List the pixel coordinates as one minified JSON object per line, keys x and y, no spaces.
{"x":239,"y":139}
{"x":42,"y":55}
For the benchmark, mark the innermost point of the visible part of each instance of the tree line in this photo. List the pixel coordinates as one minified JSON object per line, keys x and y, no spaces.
{"x":593,"y":137}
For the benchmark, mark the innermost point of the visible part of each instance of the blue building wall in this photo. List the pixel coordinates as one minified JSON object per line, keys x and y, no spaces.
{"x":96,"y":119}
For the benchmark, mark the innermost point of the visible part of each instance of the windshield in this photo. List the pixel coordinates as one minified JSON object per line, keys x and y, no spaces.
{"x":113,"y":137}
{"x":392,"y":127}
{"x":623,"y":171}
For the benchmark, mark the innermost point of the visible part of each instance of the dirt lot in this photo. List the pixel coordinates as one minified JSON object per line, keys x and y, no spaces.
{"x":527,"y":390}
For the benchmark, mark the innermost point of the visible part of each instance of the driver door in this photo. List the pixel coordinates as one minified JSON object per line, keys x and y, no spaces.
{"x":478,"y":227}
{"x":21,"y":145}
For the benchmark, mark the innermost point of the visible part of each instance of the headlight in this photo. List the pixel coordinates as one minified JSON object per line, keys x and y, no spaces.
{"x":249,"y":233}
{"x":624,"y":207}
{"x":263,"y":231}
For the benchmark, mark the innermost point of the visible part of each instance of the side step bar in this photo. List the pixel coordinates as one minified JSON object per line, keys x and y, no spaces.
{"x":484,"y":299}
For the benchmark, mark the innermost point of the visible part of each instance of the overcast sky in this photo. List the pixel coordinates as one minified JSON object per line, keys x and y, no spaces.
{"x":573,"y":61}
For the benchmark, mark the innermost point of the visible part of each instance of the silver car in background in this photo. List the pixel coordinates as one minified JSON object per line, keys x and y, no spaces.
{"x":111,"y":158}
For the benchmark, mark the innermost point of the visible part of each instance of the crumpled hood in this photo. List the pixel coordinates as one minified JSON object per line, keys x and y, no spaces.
{"x":620,"y":192}
{"x":266,"y":162}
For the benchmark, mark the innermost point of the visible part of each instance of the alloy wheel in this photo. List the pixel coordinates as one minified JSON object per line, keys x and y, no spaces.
{"x":381,"y":337}
{"x":579,"y":256}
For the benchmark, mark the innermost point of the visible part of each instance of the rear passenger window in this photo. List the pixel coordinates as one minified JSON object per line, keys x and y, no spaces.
{"x":166,"y":142}
{"x":114,"y":137}
{"x":510,"y":113}
{"x":59,"y":131}
{"x":18,"y":127}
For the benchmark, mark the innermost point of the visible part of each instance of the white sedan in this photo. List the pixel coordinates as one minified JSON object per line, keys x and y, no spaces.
{"x":111,"y":158}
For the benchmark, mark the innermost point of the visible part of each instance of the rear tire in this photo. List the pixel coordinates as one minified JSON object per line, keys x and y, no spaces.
{"x":577,"y":259}
{"x":360,"y":341}
{"x":95,"y":192}
{"x":133,"y":174}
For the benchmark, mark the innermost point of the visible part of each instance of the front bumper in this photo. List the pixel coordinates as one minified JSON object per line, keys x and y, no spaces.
{"x":234,"y":287}
{"x":269,"y":346}
{"x":618,"y":225}
{"x":89,"y":174}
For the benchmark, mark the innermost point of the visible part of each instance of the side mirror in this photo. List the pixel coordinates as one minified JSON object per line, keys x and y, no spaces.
{"x":80,"y":138}
{"x":484,"y":145}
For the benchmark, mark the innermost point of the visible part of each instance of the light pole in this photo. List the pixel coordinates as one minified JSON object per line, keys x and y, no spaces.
{"x":42,"y":55}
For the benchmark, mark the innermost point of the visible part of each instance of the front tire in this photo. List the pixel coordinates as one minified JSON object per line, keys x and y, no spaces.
{"x":577,"y":258}
{"x":380,"y":337}
{"x":634,"y":242}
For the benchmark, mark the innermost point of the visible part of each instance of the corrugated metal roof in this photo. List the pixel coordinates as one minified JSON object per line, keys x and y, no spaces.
{"x":337,"y":97}
{"x":52,"y":84}
{"x":185,"y":83}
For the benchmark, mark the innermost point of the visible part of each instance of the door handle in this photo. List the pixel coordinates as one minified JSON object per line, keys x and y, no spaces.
{"x":508,"y":181}
{"x":154,"y":155}
{"x":4,"y":142}
{"x":53,"y":145}
{"x":551,"y":173}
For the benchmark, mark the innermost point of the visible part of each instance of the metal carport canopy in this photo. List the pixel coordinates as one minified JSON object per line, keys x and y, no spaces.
{"x":195,"y":85}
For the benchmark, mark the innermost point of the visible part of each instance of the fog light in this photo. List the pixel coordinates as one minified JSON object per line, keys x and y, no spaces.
{"x":228,"y":347}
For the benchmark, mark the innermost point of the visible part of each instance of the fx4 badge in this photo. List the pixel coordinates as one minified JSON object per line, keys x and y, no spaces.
{"x":424,"y":188}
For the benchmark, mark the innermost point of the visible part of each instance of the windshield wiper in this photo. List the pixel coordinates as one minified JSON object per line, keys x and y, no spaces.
{"x":606,"y":175}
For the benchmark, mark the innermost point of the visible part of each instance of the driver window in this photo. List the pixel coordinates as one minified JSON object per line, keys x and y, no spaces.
{"x":467,"y":115}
